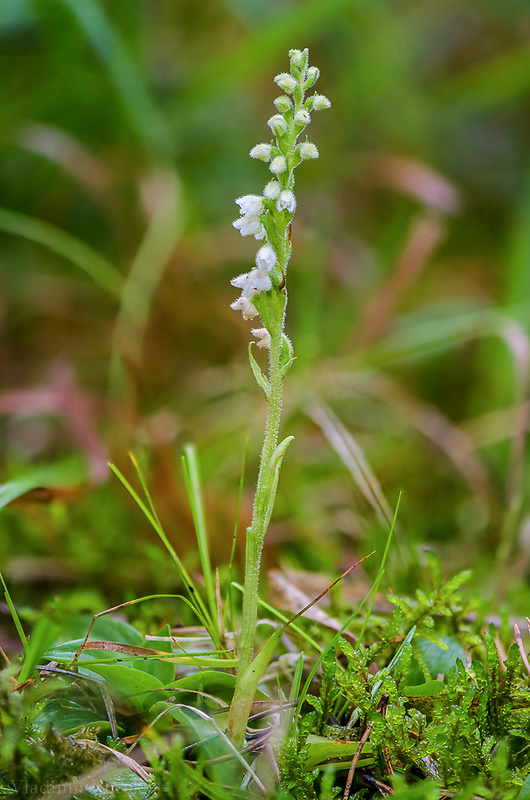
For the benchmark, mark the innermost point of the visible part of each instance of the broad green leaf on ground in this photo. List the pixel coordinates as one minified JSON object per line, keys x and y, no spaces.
{"x":68,"y":716}
{"x":322,"y":751}
{"x":65,"y":473}
{"x":132,"y":684}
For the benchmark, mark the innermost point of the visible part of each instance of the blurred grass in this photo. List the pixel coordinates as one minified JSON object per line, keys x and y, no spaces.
{"x":125,"y":131}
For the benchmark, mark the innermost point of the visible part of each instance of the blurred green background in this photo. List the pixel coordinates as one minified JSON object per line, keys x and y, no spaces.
{"x":125,"y":131}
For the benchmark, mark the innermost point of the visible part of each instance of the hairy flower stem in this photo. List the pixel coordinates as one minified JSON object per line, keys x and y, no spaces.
{"x":244,"y":696}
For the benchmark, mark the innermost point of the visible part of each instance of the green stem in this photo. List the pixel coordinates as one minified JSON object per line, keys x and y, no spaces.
{"x":243,"y":697}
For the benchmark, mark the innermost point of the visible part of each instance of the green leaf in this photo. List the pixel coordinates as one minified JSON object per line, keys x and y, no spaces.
{"x":44,"y":634}
{"x":322,"y":751}
{"x":261,"y":380}
{"x":116,"y":630}
{"x":441,"y":660}
{"x":427,"y":689}
{"x":524,"y":794}
{"x":135,"y":686}
{"x":163,"y":670}
{"x":287,"y":355}
{"x":67,"y":472}
{"x":218,"y":684}
{"x":68,"y":716}
{"x":277,"y":459}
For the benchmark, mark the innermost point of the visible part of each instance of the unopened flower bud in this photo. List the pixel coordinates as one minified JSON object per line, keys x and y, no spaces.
{"x":277,"y":124}
{"x":261,"y":151}
{"x":266,"y":258}
{"x":272,"y":190}
{"x":283,"y":103}
{"x":278,"y":165}
{"x":311,"y":77}
{"x":302,"y":118}
{"x":320,"y":102}
{"x":308,"y":150}
{"x":296,"y":57}
{"x":286,"y":82}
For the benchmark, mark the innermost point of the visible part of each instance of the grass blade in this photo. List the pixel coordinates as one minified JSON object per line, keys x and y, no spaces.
{"x":145,"y":118}
{"x":15,"y":617}
{"x":229,"y":596}
{"x":195,"y":597}
{"x":192,"y":479}
{"x":380,"y":573}
{"x":64,"y":244}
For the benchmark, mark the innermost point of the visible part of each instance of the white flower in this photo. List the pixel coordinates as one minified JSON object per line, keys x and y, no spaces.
{"x":286,"y":82}
{"x":247,"y":308}
{"x":252,"y":282}
{"x":283,"y":103}
{"x":320,"y":102}
{"x":258,"y":281}
{"x":286,"y":200}
{"x":302,"y":118}
{"x":263,"y":336}
{"x":240,"y":281}
{"x":272,"y":190}
{"x":278,"y":164}
{"x":250,"y":226}
{"x":277,"y":124}
{"x":308,"y":150}
{"x":250,"y":204}
{"x":261,"y":151}
{"x":265,"y":258}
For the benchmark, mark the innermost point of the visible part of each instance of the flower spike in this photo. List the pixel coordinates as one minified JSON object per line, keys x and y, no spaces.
{"x":268,"y":216}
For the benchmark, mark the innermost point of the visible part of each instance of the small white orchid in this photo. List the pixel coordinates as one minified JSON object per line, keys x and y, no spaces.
{"x":249,"y":225}
{"x":283,"y":103}
{"x":264,"y":292}
{"x":296,"y":57}
{"x":286,"y":201}
{"x":247,"y":308}
{"x":272,"y":190}
{"x":277,"y":124}
{"x":251,"y":204}
{"x":263,"y":336}
{"x":266,"y":258}
{"x":262,"y":151}
{"x":302,"y":118}
{"x":278,"y":165}
{"x":308,"y":150}
{"x":253,"y":282}
{"x":263,"y":216}
{"x":321,"y":102}
{"x":286,"y":82}
{"x":312,"y":76}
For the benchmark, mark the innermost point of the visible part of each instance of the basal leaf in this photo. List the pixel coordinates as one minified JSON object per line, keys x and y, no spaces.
{"x":323,"y":751}
{"x":135,"y":686}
